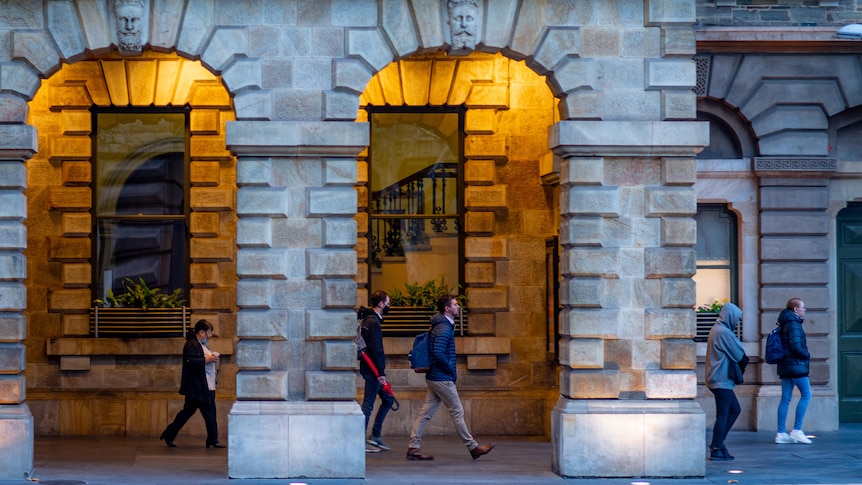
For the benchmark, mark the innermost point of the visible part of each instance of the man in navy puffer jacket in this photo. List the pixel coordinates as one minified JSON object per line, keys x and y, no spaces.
{"x":793,"y":371}
{"x":441,"y":383}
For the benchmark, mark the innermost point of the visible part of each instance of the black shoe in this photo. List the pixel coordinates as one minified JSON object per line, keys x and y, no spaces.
{"x":215,"y":445}
{"x":719,"y":454}
{"x":168,"y":442}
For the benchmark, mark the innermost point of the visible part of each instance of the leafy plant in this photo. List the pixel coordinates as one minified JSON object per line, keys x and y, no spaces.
{"x":423,"y":295}
{"x":139,"y":295}
{"x":714,"y":307}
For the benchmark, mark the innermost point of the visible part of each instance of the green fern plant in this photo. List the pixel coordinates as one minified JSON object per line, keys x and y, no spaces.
{"x":139,"y":295}
{"x":423,"y":295}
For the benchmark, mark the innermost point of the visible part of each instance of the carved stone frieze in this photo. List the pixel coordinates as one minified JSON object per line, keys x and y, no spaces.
{"x":791,"y":164}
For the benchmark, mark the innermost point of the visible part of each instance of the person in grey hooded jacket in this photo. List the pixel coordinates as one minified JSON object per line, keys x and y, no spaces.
{"x":723,"y":350}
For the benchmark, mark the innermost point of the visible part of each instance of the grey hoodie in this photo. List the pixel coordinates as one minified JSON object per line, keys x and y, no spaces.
{"x":721,"y":346}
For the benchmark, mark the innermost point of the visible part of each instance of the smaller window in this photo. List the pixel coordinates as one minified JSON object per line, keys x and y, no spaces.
{"x":716,"y":276}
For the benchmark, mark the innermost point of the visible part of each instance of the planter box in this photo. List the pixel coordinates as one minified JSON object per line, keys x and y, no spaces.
{"x":136,"y":322}
{"x":410,"y":321}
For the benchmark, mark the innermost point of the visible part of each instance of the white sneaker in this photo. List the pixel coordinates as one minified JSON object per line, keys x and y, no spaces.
{"x":782,"y":438}
{"x":798,"y":436}
{"x":376,"y":441}
{"x":371,"y":450}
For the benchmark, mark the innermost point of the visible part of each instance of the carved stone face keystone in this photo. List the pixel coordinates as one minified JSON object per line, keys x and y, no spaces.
{"x":129,"y":16}
{"x":462,"y":22}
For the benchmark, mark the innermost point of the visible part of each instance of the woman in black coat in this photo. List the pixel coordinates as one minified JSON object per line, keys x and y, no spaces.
{"x":793,"y":371}
{"x":197,"y":384}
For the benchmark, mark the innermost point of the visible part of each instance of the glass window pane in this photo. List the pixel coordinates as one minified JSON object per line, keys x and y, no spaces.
{"x":140,"y":160}
{"x":713,"y":234}
{"x":152,"y":250}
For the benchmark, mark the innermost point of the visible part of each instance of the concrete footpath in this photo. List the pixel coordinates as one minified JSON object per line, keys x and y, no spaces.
{"x":833,"y":458}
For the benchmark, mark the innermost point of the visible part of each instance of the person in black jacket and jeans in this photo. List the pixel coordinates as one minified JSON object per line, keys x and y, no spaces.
{"x":441,"y":383}
{"x":793,"y":371}
{"x":372,"y":332}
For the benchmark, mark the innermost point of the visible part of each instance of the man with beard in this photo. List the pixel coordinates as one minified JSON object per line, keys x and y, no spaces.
{"x":129,"y":13}
{"x":462,"y":22}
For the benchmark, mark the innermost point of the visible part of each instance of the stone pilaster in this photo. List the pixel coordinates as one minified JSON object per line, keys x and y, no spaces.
{"x":627,"y":257}
{"x":17,"y":144}
{"x":794,"y":252}
{"x":296,"y":261}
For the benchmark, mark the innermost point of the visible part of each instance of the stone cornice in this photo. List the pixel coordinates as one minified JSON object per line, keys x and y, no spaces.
{"x":297,"y":138}
{"x":773,"y":39}
{"x":795,"y":167}
{"x":628,"y":138}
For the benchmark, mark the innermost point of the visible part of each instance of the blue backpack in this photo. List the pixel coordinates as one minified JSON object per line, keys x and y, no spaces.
{"x":420,"y":355}
{"x":775,"y":346}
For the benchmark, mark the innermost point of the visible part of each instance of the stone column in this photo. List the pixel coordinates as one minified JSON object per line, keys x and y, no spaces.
{"x":627,"y":233}
{"x":296,"y":262}
{"x":17,"y":144}
{"x":794,"y":252}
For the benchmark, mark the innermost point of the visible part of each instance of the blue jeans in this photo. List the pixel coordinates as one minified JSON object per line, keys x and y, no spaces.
{"x":726,"y":411}
{"x":787,"y":384}
{"x":372,"y":390}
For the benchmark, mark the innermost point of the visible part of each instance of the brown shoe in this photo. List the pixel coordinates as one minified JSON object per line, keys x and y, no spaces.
{"x":416,"y":454}
{"x":481,"y":450}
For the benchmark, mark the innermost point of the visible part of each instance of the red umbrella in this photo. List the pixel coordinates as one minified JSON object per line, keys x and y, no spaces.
{"x":385,"y":386}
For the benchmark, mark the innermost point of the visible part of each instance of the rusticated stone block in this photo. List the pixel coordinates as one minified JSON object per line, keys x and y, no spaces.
{"x":339,"y":293}
{"x":495,"y":147}
{"x":74,"y":362}
{"x":330,"y":386}
{"x":76,"y":224}
{"x":261,"y":385}
{"x":486,"y":95}
{"x":814,"y":273}
{"x":582,"y":231}
{"x":70,"y":198}
{"x":677,"y":293}
{"x":664,"y":262}
{"x":12,"y":358}
{"x":211,"y":299}
{"x":74,"y":299}
{"x":13,"y":297}
{"x":361,"y":249}
{"x":68,"y":249}
{"x":339,"y":355}
{"x":254,"y":171}
{"x":12,"y":327}
{"x":75,"y":173}
{"x":482,"y":324}
{"x":486,"y":248}
{"x":589,"y":322}
{"x":671,"y":12}
{"x":212,"y":249}
{"x":331,"y":201}
{"x":13,"y":175}
{"x":212,"y":147}
{"x":678,"y":354}
{"x":75,"y":324}
{"x":76,"y":121}
{"x":254,"y":355}
{"x":204,"y":121}
{"x":13,"y":236}
{"x":254,"y":263}
{"x":590,"y":262}
{"x":589,"y":384}
{"x":778,"y":223}
{"x":582,"y":171}
{"x":794,"y":198}
{"x":340,"y":171}
{"x":251,"y":293}
{"x":488,"y":298}
{"x":339,"y":232}
{"x":12,"y":389}
{"x":492,"y":197}
{"x":257,"y":324}
{"x":678,"y":41}
{"x":681,"y":104}
{"x":204,"y":275}
{"x":481,"y":362}
{"x":592,"y":201}
{"x":811,"y":248}
{"x":667,"y":323}
{"x":678,"y":171}
{"x":582,"y":353}
{"x":480,"y":274}
{"x":328,"y":324}
{"x":678,"y":231}
{"x":479,"y":223}
{"x":662,"y":384}
{"x":328,"y":263}
{"x":254,"y":232}
{"x":13,"y":266}
{"x":204,"y":224}
{"x":70,"y":147}
{"x":13,"y":205}
{"x":204,"y":174}
{"x":671,"y":201}
{"x":262,"y":201}
{"x":480,"y":122}
{"x":480,"y":172}
{"x":77,"y":275}
{"x":582,"y":292}
{"x":211,"y":198}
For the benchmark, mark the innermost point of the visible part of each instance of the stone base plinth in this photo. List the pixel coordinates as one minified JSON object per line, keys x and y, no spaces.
{"x":16,"y":442}
{"x":613,"y":438}
{"x":822,"y":413}
{"x":296,"y":439}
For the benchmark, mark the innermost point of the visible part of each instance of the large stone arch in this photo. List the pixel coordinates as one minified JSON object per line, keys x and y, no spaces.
{"x":623,"y":73}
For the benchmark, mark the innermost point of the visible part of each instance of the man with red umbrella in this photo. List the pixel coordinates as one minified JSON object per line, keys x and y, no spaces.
{"x":372,"y":367}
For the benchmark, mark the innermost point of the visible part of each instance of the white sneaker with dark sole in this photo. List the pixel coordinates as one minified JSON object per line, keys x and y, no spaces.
{"x":798,"y":436}
{"x":783,"y":438}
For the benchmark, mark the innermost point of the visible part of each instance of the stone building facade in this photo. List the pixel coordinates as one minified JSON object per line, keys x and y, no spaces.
{"x":583,"y":121}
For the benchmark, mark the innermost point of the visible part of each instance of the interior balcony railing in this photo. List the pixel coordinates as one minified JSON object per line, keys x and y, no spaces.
{"x":406,"y":211}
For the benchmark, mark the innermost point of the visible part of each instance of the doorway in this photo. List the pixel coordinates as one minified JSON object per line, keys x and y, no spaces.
{"x":849,"y":255}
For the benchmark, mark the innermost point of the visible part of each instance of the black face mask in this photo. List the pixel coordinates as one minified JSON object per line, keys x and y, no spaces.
{"x":385,"y":310}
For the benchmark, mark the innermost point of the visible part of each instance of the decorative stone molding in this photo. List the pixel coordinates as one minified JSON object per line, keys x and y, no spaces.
{"x":463,"y":24}
{"x":794,"y":167}
{"x":130,"y":24}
